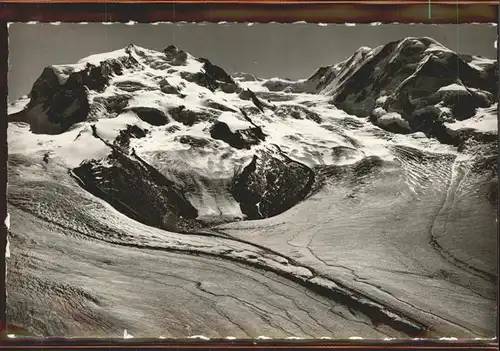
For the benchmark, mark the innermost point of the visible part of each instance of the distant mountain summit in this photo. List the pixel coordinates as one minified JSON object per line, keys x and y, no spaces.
{"x":410,"y":85}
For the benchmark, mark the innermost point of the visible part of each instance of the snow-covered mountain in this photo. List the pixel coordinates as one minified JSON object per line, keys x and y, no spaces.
{"x":410,"y":85}
{"x":139,"y":149}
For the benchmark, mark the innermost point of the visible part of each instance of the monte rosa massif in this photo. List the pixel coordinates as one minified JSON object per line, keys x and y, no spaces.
{"x":153,"y":192}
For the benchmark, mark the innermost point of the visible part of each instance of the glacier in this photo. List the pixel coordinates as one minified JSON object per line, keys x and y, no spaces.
{"x":152,"y":192}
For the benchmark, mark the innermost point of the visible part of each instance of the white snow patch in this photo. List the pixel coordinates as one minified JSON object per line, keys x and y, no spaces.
{"x":419,"y":135}
{"x":437,"y":47}
{"x":233,"y":122}
{"x":481,"y":62}
{"x":393,"y":117}
{"x":7,"y":221}
{"x":453,"y":87}
{"x":7,"y":248}
{"x":18,"y":105}
{"x":109,"y":128}
{"x":69,"y":148}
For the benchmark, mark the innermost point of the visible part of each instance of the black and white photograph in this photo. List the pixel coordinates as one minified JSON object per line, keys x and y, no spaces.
{"x":252,"y":181}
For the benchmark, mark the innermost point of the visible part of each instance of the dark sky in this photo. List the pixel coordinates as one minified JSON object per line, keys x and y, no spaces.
{"x":266,"y":50}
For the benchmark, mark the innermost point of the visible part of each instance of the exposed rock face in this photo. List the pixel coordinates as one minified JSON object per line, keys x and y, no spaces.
{"x":212,"y":77}
{"x":216,"y":72}
{"x":151,"y":115}
{"x":170,"y":52}
{"x":167,"y":88}
{"x":123,"y":139}
{"x":176,"y":56}
{"x":271,"y":184}
{"x":239,"y":139}
{"x":62,"y":105}
{"x":139,"y":191}
{"x":193,"y":141}
{"x":59,"y":96}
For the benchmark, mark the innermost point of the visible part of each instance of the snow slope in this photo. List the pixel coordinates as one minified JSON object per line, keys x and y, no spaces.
{"x":160,"y":157}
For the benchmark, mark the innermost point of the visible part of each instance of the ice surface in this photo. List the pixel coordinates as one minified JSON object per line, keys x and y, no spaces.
{"x":17,"y":105}
{"x":453,"y":87}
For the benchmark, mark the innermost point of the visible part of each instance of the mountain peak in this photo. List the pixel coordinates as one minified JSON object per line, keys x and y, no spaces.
{"x":357,"y":85}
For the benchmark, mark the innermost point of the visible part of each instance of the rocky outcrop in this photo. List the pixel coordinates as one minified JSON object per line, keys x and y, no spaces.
{"x":167,"y":88}
{"x":59,"y":97}
{"x":193,"y":141}
{"x":138,"y":191}
{"x":211,"y":77}
{"x":239,"y":139}
{"x":176,"y":56}
{"x":151,"y":115}
{"x":215,"y":72}
{"x":123,"y":138}
{"x":55,"y":106}
{"x":271,"y":184}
